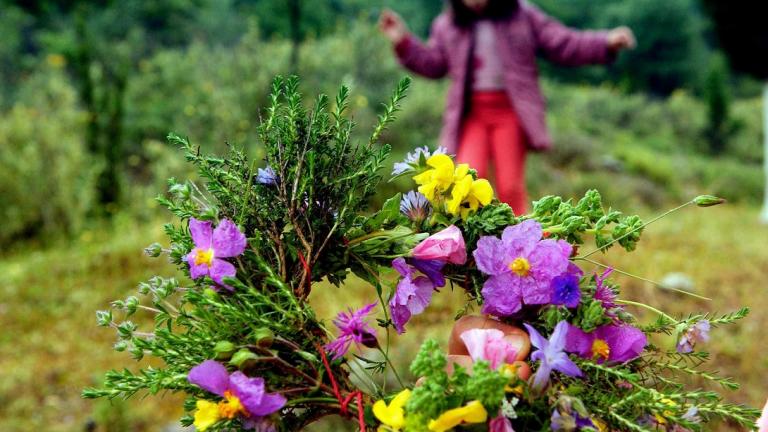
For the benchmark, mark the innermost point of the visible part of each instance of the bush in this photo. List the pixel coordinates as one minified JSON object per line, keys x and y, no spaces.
{"x":47,"y":178}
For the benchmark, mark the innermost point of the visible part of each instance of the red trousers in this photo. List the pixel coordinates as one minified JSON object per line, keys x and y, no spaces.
{"x":492,"y":132}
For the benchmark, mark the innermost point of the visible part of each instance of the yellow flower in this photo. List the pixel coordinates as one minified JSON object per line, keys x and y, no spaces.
{"x":601,"y":425}
{"x":438,"y":179}
{"x":392,"y":415}
{"x":473,"y":412}
{"x":460,"y":191}
{"x":206,"y":415}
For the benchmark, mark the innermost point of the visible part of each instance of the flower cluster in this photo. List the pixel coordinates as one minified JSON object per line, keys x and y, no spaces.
{"x":555,"y":348}
{"x":453,"y":187}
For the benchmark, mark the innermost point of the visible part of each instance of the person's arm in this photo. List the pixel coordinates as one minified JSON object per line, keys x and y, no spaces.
{"x":570,"y":47}
{"x":428,"y":59}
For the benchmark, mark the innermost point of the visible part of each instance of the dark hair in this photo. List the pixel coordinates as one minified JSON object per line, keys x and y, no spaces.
{"x":495,"y":10}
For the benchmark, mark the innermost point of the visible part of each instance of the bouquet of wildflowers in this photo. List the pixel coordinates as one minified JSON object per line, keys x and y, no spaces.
{"x":539,"y":345}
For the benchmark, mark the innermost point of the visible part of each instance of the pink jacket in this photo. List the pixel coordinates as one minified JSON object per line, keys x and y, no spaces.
{"x":526,"y":33}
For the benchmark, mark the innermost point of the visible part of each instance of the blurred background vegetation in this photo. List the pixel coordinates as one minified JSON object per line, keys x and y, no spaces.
{"x":89,"y":89}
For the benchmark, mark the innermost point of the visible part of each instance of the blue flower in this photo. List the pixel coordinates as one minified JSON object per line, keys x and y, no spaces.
{"x":415,"y":206}
{"x":565,"y":290}
{"x":266,"y":176}
{"x":551,"y":356}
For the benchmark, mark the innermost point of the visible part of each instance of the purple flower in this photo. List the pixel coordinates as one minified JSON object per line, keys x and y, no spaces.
{"x":569,"y":422}
{"x":521,"y":267}
{"x":352,"y":328}
{"x":550,"y":355}
{"x":243,"y":396}
{"x":609,"y":343}
{"x":603,"y":293}
{"x":565,"y":290}
{"x":416,"y":206}
{"x":698,"y":332}
{"x":266,"y":176}
{"x":226,"y":241}
{"x":431,"y":269}
{"x":411,"y":161}
{"x":411,"y":297}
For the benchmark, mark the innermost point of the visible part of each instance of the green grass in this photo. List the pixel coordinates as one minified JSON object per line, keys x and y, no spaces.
{"x":50,"y":347}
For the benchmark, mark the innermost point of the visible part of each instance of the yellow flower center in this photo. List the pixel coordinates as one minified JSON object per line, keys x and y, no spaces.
{"x":600,"y":348}
{"x":231,"y":406}
{"x":520,"y":266}
{"x":204,"y":256}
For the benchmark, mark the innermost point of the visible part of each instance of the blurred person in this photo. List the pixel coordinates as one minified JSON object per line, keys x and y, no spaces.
{"x":495,"y":110}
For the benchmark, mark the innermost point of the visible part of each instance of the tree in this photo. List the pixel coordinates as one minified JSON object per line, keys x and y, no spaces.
{"x":743,"y":35}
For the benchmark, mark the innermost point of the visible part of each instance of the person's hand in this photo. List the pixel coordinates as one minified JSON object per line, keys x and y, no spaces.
{"x":518,"y":338}
{"x":621,"y":38}
{"x":392,"y":26}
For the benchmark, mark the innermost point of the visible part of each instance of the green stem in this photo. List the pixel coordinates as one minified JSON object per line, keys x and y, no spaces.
{"x":650,"y":308}
{"x":389,"y":362}
{"x":627,"y":234}
{"x":642,"y":278}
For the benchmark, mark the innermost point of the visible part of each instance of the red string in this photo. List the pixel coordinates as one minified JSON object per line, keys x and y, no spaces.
{"x":307,"y":270}
{"x":344,"y":402}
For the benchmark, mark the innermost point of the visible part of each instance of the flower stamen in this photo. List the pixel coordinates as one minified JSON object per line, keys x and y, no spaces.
{"x":520,"y":266}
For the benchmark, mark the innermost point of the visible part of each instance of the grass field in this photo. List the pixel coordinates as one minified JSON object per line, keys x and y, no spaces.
{"x":50,"y":347}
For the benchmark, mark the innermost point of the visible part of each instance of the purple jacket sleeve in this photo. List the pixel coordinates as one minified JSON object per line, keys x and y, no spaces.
{"x":566,"y":46}
{"x":429,"y":60}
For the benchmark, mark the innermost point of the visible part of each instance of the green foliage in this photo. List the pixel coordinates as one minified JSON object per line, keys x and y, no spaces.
{"x":47,"y":176}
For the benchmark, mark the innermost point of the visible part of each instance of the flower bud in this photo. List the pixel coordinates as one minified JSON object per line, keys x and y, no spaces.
{"x":708,"y":200}
{"x":369,"y":340}
{"x":154,"y":250}
{"x":224,"y":350}
{"x":243,"y":358}
{"x":263,"y":337}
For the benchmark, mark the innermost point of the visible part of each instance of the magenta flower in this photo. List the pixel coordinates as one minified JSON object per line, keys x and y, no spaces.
{"x":521,"y":267}
{"x":603,"y":293}
{"x":353,"y":327}
{"x":609,"y":343}
{"x":243,"y":396}
{"x":211,"y":245}
{"x":446,"y":245}
{"x":698,"y":332}
{"x":500,"y":424}
{"x":489,"y":345}
{"x":551,"y":356}
{"x":411,"y":297}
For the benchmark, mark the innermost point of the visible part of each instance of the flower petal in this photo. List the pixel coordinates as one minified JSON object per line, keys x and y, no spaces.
{"x":523,"y":237}
{"x":253,"y":395}
{"x":221,"y":269}
{"x":228,"y":241}
{"x":537,"y":339}
{"x":566,"y":366}
{"x":558,"y":337}
{"x":211,"y":376}
{"x":491,"y":256}
{"x":501,"y":295}
{"x":432,"y":269}
{"x":202,"y":232}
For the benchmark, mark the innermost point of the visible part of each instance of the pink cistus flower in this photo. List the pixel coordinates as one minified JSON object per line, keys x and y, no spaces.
{"x":211,"y":245}
{"x":521,"y":267}
{"x":609,"y":343}
{"x":489,"y":345}
{"x":353,"y":327}
{"x":243,"y":396}
{"x":446,"y":245}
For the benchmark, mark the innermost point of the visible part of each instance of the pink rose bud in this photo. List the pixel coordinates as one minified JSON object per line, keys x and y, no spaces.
{"x":447,"y":245}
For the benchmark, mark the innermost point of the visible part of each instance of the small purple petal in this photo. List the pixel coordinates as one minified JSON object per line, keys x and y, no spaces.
{"x":432,"y":269}
{"x":537,"y":339}
{"x":228,"y":241}
{"x":558,"y":337}
{"x":402,"y":267}
{"x":221,"y":269}
{"x":567,"y":366}
{"x":253,"y":396}
{"x":541,"y":378}
{"x":202,"y":233}
{"x":579,"y":342}
{"x":211,"y":376}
